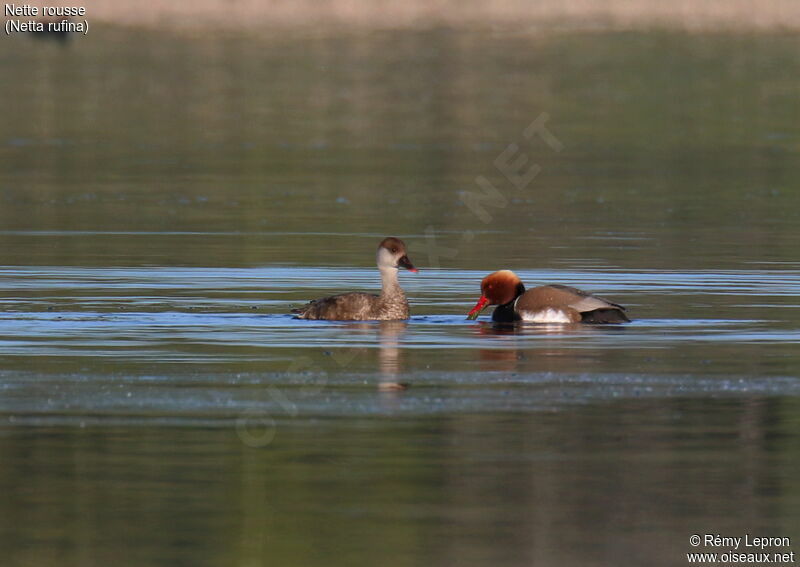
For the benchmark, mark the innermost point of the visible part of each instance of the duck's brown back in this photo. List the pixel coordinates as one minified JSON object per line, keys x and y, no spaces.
{"x":578,"y":304}
{"x":354,"y":306}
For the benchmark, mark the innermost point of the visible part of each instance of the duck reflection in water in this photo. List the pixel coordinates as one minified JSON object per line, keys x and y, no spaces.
{"x":535,"y":346}
{"x":389,"y":334}
{"x":390,"y":355}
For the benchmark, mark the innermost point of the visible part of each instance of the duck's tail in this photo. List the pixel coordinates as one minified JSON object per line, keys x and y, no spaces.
{"x":610,"y":315}
{"x":301,"y":312}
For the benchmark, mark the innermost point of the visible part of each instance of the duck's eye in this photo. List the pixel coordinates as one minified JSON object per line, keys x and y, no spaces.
{"x":393,"y":250}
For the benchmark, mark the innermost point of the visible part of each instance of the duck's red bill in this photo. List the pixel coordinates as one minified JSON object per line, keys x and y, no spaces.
{"x":473,"y":314}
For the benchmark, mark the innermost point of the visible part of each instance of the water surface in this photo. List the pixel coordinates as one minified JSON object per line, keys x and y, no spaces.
{"x":165,"y":200}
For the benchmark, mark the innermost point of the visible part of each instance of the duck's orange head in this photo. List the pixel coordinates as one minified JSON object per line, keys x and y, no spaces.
{"x":497,"y":288}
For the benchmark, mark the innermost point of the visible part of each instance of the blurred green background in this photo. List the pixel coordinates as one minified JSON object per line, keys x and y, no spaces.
{"x":169,"y":187}
{"x":686,"y":143}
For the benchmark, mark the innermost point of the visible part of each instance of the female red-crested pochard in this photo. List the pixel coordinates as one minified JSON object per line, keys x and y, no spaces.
{"x":544,"y":304}
{"x":391,"y":304}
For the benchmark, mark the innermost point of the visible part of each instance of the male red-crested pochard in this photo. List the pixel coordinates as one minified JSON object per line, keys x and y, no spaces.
{"x":544,"y":304}
{"x":391,"y":304}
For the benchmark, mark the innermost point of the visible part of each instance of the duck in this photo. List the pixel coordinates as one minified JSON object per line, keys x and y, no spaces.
{"x":390,"y":305}
{"x":553,"y":303}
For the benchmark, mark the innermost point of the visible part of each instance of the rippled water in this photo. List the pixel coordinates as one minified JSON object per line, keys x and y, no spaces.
{"x":165,"y":200}
{"x":127,"y":342}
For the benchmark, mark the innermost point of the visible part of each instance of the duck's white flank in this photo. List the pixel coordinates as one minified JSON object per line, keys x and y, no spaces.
{"x":549,"y":315}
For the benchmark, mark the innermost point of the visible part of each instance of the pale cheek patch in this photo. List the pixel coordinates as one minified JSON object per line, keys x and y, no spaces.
{"x":546,"y":316}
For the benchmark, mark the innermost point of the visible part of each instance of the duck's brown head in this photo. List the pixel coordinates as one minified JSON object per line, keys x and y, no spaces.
{"x":497,"y":288}
{"x":392,"y":254}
